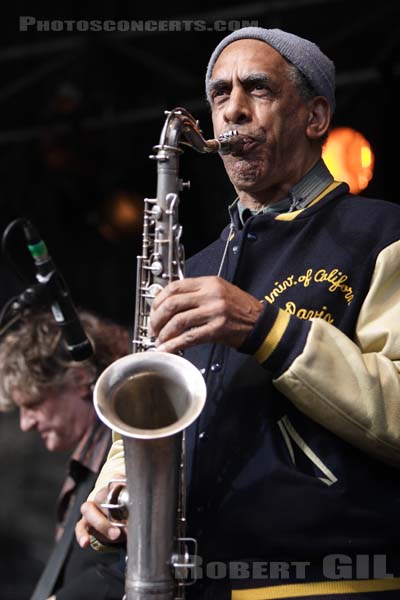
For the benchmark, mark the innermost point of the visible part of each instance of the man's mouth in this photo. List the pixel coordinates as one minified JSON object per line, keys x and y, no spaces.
{"x":247,"y":144}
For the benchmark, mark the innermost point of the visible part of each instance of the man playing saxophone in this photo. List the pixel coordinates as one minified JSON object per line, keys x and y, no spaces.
{"x":293,"y":317}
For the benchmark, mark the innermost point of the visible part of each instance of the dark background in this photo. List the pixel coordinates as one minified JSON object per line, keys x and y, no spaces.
{"x":79,"y":115}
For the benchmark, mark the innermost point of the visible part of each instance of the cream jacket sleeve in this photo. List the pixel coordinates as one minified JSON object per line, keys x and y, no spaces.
{"x":352,"y":387}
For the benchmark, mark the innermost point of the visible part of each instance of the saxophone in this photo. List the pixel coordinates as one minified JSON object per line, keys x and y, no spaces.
{"x":151,"y":397}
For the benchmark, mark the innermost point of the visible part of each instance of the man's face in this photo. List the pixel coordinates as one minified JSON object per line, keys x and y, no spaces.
{"x":60,"y":416}
{"x":252,"y":92}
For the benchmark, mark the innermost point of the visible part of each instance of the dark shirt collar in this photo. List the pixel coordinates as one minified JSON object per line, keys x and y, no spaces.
{"x":89,"y":452}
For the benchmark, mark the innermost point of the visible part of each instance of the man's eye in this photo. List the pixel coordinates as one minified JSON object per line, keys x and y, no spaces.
{"x":219,"y":93}
{"x":259,"y":87}
{"x":219,"y":96}
{"x":32,"y":405}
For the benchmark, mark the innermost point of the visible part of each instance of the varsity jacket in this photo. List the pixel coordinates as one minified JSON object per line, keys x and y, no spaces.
{"x":295,"y":455}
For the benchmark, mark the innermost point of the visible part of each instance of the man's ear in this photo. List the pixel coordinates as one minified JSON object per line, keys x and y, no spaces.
{"x":319,"y":118}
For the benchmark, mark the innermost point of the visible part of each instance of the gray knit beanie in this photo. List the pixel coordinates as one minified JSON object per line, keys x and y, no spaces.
{"x":316,"y":67}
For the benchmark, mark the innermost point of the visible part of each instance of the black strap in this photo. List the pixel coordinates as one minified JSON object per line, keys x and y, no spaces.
{"x":48,"y":578}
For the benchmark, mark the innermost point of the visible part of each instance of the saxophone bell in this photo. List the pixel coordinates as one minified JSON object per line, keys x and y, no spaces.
{"x":149,"y":395}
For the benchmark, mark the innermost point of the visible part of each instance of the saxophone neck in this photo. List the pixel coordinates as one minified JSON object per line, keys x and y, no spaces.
{"x":182,"y":128}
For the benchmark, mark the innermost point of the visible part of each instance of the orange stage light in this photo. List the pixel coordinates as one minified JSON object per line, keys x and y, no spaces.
{"x":349,"y":157}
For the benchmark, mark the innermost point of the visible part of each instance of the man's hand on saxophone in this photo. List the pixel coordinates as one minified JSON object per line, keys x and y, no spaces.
{"x":202,"y":309}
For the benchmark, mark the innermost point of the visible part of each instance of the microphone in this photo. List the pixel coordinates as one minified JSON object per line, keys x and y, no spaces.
{"x":62,"y":307}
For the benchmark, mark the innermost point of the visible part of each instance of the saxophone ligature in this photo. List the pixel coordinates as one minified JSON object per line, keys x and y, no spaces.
{"x":151,"y":397}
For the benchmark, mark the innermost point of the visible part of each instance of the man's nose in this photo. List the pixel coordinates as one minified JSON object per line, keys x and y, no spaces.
{"x":237,"y":109}
{"x":27,"y":420}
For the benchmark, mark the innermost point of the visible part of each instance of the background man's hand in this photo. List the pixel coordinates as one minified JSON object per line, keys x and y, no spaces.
{"x":95,"y":522}
{"x":202,"y":309}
